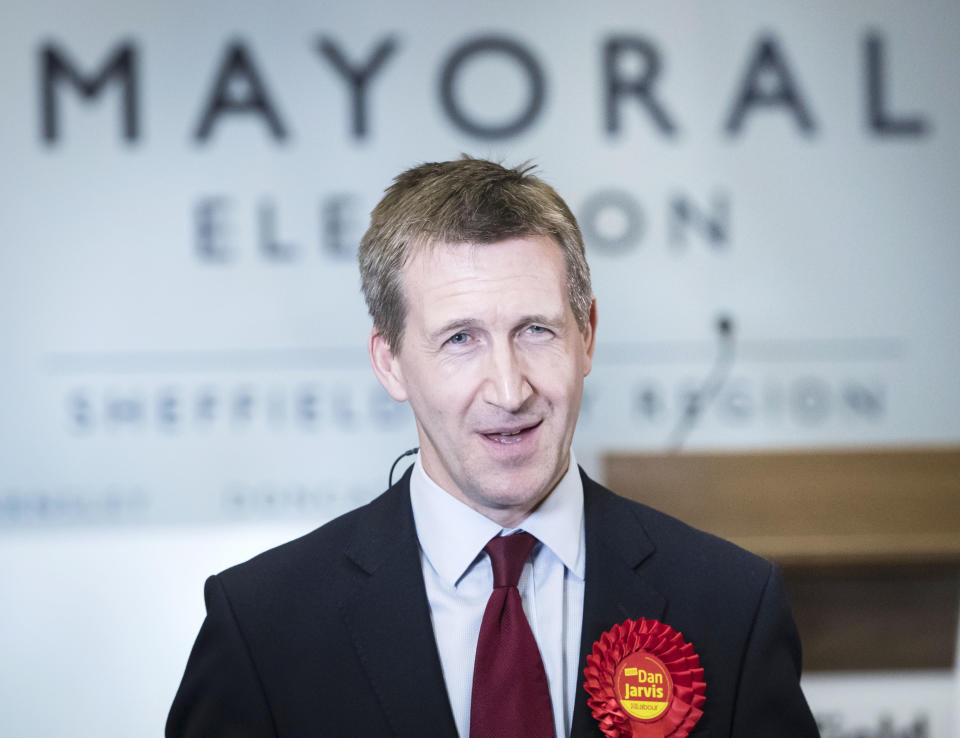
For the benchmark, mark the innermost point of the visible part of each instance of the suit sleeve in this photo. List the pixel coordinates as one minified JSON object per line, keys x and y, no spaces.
{"x":769,"y":700}
{"x":221,"y":693}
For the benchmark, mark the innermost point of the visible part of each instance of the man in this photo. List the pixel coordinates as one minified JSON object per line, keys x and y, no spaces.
{"x":393,"y":619}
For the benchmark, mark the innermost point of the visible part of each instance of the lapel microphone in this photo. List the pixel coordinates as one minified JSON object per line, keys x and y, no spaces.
{"x":397,"y":461}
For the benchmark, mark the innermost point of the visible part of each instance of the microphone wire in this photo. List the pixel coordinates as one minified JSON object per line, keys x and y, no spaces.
{"x":396,"y":461}
{"x":701,"y":399}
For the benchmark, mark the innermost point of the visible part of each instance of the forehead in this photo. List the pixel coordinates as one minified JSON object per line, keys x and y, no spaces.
{"x":511,"y":274}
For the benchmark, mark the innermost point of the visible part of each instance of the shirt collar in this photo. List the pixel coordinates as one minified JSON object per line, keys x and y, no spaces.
{"x":453,"y":534}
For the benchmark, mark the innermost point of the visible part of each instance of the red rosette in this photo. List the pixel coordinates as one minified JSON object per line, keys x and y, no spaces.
{"x":644,"y":681}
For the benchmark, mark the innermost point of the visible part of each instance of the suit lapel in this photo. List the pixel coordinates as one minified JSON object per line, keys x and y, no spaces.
{"x":388,"y":617}
{"x":615,"y":588}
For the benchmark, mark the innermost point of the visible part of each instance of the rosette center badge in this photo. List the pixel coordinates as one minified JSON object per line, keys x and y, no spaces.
{"x":643,"y":685}
{"x":644,"y":681}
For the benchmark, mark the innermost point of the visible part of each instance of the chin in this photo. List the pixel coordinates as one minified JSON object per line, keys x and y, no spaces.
{"x":520,"y":493}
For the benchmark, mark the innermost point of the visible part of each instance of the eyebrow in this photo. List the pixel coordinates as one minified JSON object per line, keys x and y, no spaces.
{"x":457,"y":324}
{"x":461,"y":324}
{"x":550,"y":321}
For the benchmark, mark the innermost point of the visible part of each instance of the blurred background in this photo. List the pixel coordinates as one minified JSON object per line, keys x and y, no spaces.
{"x":768,"y":192}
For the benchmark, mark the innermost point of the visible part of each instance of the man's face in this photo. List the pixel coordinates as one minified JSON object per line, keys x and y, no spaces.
{"x":492,"y":363}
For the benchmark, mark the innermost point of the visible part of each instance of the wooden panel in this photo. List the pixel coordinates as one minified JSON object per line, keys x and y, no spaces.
{"x":886,"y":617}
{"x":869,"y":540}
{"x":809,"y":507}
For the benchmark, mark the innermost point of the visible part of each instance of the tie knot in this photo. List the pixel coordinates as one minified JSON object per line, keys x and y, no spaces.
{"x":507,"y":556}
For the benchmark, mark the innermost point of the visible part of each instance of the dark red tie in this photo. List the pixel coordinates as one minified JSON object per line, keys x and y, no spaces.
{"x":510,"y":693}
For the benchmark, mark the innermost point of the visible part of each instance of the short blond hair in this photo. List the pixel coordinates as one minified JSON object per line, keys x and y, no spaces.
{"x":462,"y":201}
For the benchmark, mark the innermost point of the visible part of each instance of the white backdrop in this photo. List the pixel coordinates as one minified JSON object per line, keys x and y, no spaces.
{"x":183,"y":186}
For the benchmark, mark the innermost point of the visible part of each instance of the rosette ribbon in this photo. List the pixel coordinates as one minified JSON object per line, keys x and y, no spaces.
{"x":681,"y":694}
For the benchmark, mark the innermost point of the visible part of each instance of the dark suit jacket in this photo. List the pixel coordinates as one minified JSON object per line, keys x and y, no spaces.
{"x":330,"y":634}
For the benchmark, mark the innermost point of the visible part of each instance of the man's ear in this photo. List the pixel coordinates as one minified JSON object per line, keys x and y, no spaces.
{"x":590,"y":338}
{"x":386,"y":366}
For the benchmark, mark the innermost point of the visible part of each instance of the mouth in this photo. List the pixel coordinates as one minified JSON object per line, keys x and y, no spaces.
{"x":510,"y":436}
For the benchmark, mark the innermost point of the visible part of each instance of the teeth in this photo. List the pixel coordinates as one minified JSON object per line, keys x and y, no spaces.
{"x":510,"y":434}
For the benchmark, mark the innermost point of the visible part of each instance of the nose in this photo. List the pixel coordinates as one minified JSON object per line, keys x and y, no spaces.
{"x":507,"y":385}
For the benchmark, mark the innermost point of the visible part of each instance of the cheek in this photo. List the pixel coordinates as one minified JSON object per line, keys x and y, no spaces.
{"x":455,"y":383}
{"x":559,"y":379}
{"x":442,"y":396}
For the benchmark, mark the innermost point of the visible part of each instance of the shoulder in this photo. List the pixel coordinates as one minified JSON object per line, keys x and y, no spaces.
{"x":329,"y":553}
{"x":671,"y":536}
{"x":681,"y":558}
{"x":727,"y":601}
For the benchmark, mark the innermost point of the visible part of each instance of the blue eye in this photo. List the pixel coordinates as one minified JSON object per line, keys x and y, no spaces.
{"x":458,"y":339}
